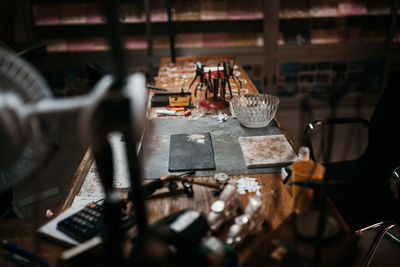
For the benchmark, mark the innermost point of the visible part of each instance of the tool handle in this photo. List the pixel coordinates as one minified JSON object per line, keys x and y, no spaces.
{"x":149,"y":188}
{"x":166,"y":194}
{"x":155,"y":88}
{"x":203,"y":183}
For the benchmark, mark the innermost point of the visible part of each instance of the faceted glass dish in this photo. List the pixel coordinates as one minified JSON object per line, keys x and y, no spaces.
{"x":255,"y":110}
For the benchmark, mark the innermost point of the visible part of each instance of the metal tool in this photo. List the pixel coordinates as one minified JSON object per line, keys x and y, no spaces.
{"x":171,"y":182}
{"x":221,"y":81}
{"x":214,"y":84}
{"x":209,"y":83}
{"x":202,"y":183}
{"x":174,"y":190}
{"x":151,"y":187}
{"x":199,"y":75}
{"x":155,"y":88}
{"x":226,"y":75}
{"x":232,"y":75}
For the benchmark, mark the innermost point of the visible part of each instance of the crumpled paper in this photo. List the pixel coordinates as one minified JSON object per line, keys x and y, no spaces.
{"x":222,"y":117}
{"x":247,"y":184}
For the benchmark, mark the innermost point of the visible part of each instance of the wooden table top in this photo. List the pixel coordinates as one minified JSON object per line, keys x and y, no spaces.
{"x":23,"y":233}
{"x":277,"y":196}
{"x":180,"y":75}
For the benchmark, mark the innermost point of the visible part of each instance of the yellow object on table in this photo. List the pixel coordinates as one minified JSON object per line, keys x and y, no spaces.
{"x":301,"y":171}
{"x":179,"y":101}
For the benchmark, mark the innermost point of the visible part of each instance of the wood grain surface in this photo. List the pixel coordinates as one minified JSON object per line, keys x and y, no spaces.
{"x":22,"y":233}
{"x":76,"y":182}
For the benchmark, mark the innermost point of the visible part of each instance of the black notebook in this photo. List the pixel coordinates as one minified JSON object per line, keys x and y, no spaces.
{"x":191,"y":152}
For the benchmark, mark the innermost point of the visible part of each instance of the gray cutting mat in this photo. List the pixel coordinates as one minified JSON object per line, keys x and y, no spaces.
{"x":154,"y":155}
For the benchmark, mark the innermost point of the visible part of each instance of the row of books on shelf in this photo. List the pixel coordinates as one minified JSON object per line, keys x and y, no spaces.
{"x":332,"y":36}
{"x":91,"y":13}
{"x":323,"y":77}
{"x":332,"y":8}
{"x":224,"y":39}
{"x":195,"y":40}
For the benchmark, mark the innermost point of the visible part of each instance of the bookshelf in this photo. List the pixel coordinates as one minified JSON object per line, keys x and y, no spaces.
{"x":353,"y":34}
{"x":260,"y":33}
{"x":195,"y":22}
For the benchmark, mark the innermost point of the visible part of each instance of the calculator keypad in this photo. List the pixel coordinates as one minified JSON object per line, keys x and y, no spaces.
{"x":85,"y":223}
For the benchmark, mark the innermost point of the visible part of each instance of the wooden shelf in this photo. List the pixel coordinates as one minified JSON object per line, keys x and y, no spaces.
{"x":84,"y":30}
{"x":368,"y":15}
{"x":212,"y":51}
{"x":216,"y":20}
{"x":139,"y":28}
{"x":334,"y":52}
{"x":246,"y":55}
{"x":201,"y":51}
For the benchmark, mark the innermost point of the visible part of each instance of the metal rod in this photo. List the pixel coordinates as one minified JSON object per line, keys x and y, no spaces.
{"x":114,"y":36}
{"x":393,"y":237}
{"x":149,"y":33}
{"x":171,"y":32}
{"x":375,"y":243}
{"x":49,"y":108}
{"x":136,"y":183}
{"x":114,"y":237}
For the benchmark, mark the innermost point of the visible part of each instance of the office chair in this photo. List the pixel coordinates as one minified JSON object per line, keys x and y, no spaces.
{"x":364,"y":197}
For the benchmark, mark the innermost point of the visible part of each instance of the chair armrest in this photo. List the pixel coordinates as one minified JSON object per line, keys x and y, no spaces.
{"x":317,"y":123}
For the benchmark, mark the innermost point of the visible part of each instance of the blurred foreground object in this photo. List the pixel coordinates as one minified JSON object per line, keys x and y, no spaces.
{"x":20,"y":84}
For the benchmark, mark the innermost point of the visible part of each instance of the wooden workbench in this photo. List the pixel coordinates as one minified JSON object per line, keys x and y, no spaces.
{"x":181,"y":74}
{"x":277,"y":196}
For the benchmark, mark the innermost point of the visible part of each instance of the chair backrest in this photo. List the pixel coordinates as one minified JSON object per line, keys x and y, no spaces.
{"x":384,"y":130}
{"x":394,"y":183}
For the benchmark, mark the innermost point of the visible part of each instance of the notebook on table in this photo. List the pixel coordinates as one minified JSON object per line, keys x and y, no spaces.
{"x":191,"y":152}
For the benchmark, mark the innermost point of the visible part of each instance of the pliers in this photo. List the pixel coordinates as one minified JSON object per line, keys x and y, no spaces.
{"x":200,"y":75}
{"x":234,"y":78}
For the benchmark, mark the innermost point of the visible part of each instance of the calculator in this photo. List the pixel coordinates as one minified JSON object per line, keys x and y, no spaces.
{"x":88,"y":222}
